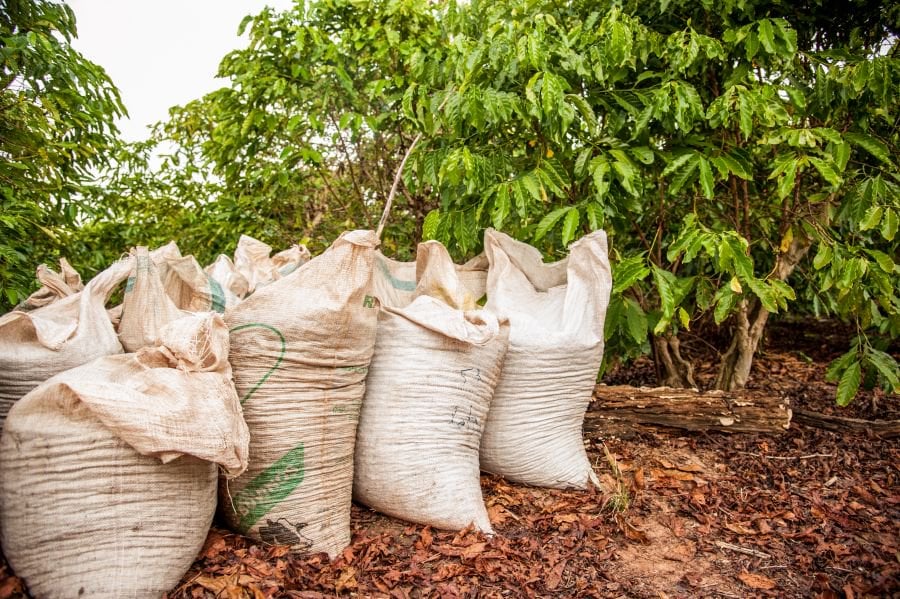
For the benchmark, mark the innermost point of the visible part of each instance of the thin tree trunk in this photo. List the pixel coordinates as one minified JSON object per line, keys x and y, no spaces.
{"x":672,"y":369}
{"x":750,"y":323}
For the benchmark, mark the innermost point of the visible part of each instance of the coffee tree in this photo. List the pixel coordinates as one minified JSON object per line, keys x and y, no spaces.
{"x":719,"y":145}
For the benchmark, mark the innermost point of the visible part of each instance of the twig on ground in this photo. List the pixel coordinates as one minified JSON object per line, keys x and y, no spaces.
{"x":744,"y":550}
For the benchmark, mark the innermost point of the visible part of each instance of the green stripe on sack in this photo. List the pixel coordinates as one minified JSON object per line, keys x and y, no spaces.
{"x":269,"y":488}
{"x":281,"y":353}
{"x":394,"y":281}
{"x":216,"y":295}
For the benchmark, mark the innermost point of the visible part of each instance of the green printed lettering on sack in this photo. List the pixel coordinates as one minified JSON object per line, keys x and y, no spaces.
{"x":394,"y":281}
{"x":282,"y":351}
{"x":359,"y":369}
{"x":368,"y":302}
{"x":216,"y":295}
{"x":269,"y":488}
{"x":129,"y":284}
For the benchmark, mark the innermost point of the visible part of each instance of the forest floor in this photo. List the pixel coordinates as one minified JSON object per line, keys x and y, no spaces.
{"x":808,"y":513}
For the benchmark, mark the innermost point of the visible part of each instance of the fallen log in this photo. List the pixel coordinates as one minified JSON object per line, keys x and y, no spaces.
{"x":733,"y":412}
{"x":882,"y":428}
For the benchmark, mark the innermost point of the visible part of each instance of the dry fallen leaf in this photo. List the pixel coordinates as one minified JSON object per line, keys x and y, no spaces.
{"x":757,"y":581}
{"x":346,"y":580}
{"x":632,"y":533}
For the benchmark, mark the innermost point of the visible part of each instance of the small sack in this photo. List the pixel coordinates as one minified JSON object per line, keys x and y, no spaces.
{"x":108,"y":471}
{"x":233,"y":283}
{"x":64,"y":334}
{"x":301,"y":347}
{"x":146,"y":308}
{"x":251,"y":259}
{"x":54,"y":285}
{"x":436,"y":363}
{"x":189,"y":287}
{"x":556,"y":314}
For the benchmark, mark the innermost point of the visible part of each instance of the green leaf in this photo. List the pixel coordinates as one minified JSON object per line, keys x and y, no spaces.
{"x":827,"y":171}
{"x":635,"y":321}
{"x":599,"y":171}
{"x":549,"y":221}
{"x":886,"y":366}
{"x":706,"y":179}
{"x":581,"y":163}
{"x":726,"y":300}
{"x":889,"y":224}
{"x":430,"y":225}
{"x":840,"y":365}
{"x":849,"y":384}
{"x":872,"y":218}
{"x":502,"y":206}
{"x":726,"y":163}
{"x":570,"y":226}
{"x":767,"y":36}
{"x":683,"y":176}
{"x":884,"y":261}
{"x":684,"y":318}
{"x":871,"y":145}
{"x":823,"y":256}
{"x":628,"y":272}
{"x":677,"y":163}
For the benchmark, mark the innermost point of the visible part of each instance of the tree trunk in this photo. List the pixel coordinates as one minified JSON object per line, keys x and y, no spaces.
{"x":750,"y":322}
{"x":671,"y":369}
{"x":687,"y":409}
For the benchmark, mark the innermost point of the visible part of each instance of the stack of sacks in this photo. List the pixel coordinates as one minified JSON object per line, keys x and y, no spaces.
{"x":54,"y":285}
{"x":252,"y":261}
{"x":556,"y":314}
{"x":66,"y":333}
{"x":108,"y":471}
{"x":301,"y":347}
{"x":437,"y":361}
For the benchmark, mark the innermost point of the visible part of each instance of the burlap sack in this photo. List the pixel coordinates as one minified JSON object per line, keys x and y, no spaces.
{"x":251,"y":259}
{"x":64,"y":334}
{"x":54,"y":285}
{"x":301,"y":347}
{"x":108,"y":470}
{"x":233,"y":283}
{"x":436,"y":363}
{"x":556,"y":313}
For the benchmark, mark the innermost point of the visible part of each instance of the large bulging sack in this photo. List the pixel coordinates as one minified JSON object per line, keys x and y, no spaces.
{"x":301,"y":347}
{"x":108,"y":471}
{"x":556,"y":314}
{"x":66,"y":333}
{"x":436,"y":363}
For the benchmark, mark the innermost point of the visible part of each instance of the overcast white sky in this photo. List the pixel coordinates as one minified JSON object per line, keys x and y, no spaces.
{"x":161,"y":53}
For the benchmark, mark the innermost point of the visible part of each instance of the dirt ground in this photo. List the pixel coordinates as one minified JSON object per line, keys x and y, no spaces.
{"x":808,"y":513}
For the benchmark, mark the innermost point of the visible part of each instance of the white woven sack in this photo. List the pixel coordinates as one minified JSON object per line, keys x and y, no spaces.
{"x":427,"y":396}
{"x":146,"y":308}
{"x":108,"y":471}
{"x":64,"y":334}
{"x":301,"y":347}
{"x":556,"y":314}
